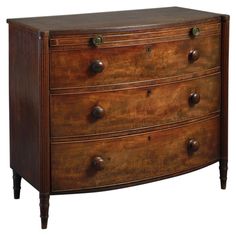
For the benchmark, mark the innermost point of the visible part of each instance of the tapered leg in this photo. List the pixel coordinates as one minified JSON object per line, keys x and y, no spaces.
{"x":16,"y":185}
{"x":44,"y":206}
{"x":223,"y":172}
{"x":224,"y":99}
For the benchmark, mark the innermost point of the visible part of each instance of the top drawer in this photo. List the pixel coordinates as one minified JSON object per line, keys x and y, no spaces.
{"x":133,"y":58}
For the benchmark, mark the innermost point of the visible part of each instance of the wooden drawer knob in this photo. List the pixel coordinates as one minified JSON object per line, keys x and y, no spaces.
{"x":97,"y":40}
{"x":193,"y":145}
{"x":194,"y":99}
{"x":97,"y":112}
{"x":193,"y":55}
{"x":97,"y":66}
{"x":98,"y":163}
{"x":195,"y":31}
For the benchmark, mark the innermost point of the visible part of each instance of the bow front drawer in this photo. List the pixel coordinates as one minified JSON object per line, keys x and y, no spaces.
{"x":119,"y":64}
{"x":130,"y":109}
{"x":159,"y":154}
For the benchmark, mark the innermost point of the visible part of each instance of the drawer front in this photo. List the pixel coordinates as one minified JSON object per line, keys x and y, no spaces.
{"x":157,"y":154}
{"x":106,"y":66}
{"x":122,"y":110}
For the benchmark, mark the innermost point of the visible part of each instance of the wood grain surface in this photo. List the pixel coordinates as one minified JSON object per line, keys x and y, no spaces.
{"x":135,"y":37}
{"x":24,"y":87}
{"x":224,"y":101}
{"x":130,"y":64}
{"x":134,"y":108}
{"x":133,"y":158}
{"x":115,"y":21}
{"x":108,"y":100}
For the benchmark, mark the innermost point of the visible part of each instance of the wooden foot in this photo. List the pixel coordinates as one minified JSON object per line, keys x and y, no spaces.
{"x":16,"y":185}
{"x":44,"y":206}
{"x":223,"y":173}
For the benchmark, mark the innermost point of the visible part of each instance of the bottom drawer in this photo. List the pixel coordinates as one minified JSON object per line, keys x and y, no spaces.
{"x":102,"y":163}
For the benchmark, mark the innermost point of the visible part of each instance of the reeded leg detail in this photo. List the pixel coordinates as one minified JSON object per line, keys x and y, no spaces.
{"x":16,"y":185}
{"x":223,"y":173}
{"x":44,"y":206}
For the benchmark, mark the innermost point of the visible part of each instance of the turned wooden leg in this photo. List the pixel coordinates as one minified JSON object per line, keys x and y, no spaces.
{"x":223,"y":172}
{"x":44,"y":206}
{"x":16,"y":185}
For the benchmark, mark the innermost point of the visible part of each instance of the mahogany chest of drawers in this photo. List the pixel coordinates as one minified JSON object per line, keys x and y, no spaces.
{"x":108,"y":100}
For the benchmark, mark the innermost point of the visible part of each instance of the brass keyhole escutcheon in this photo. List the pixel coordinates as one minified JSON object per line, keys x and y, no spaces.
{"x":195,"y":31}
{"x":96,"y":40}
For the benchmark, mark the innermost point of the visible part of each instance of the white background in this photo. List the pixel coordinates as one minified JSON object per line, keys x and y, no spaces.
{"x":191,"y":204}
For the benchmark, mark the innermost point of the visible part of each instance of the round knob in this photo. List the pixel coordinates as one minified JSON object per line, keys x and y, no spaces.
{"x":193,"y":145}
{"x":194,"y":99}
{"x":195,"y":31}
{"x":98,"y":163}
{"x":97,"y":112}
{"x":97,"y":40}
{"x":193,"y":55}
{"x":97,"y":66}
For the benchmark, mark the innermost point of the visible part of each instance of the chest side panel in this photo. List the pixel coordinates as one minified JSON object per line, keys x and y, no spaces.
{"x":24,"y":93}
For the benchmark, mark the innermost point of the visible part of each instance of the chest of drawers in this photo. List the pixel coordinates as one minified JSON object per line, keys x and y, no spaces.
{"x":108,"y":100}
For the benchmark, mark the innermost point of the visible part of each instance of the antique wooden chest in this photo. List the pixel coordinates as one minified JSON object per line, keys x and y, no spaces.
{"x":109,"y":100}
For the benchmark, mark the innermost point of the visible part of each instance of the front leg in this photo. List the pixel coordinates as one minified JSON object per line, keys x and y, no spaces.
{"x":16,"y":184}
{"x":223,"y":172}
{"x":44,"y":206}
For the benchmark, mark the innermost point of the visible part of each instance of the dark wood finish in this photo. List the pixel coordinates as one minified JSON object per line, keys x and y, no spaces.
{"x":29,"y":108}
{"x":224,"y":101}
{"x":115,"y":21}
{"x":131,"y":184}
{"x":132,"y":109}
{"x":44,"y":116}
{"x":131,"y":64}
{"x":24,"y":104}
{"x":133,"y":158}
{"x":138,"y":84}
{"x":16,"y":185}
{"x":29,"y":105}
{"x":44,"y":208}
{"x":45,"y":168}
{"x":109,"y":100}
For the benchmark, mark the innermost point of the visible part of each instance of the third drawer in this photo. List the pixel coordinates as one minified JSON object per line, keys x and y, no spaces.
{"x":77,"y":166}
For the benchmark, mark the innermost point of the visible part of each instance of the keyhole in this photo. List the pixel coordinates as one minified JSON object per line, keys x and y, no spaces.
{"x":149,"y":92}
{"x":148,"y":49}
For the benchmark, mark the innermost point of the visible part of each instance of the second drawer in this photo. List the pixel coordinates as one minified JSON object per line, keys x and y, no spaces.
{"x":130,"y":109}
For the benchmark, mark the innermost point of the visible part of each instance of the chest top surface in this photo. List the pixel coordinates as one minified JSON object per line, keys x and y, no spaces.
{"x":115,"y":21}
